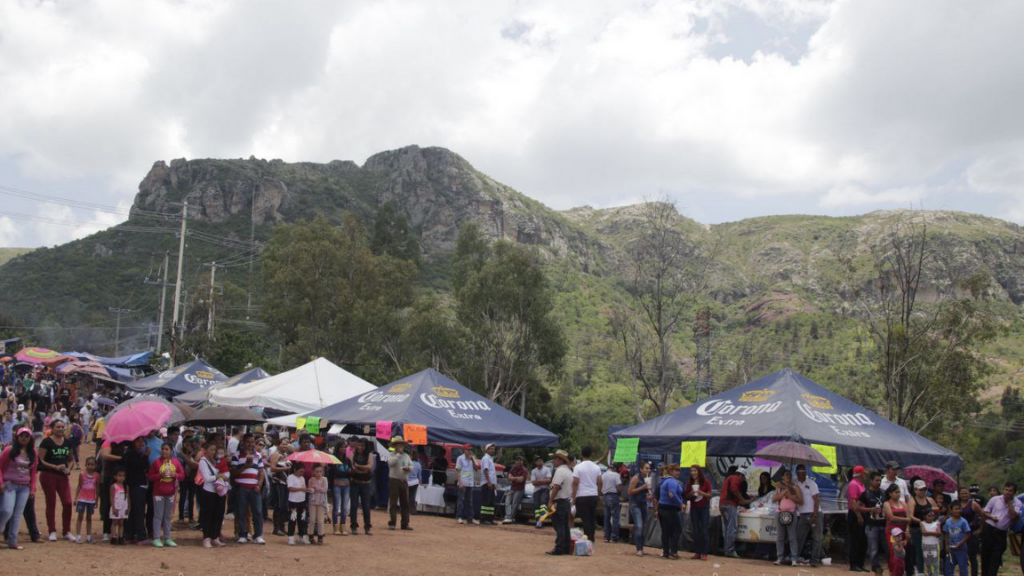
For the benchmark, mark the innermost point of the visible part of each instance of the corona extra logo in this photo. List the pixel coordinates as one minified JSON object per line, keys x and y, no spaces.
{"x":757,"y":395}
{"x":399,"y":388}
{"x":204,"y":374}
{"x":818,"y":402}
{"x":444,"y":392}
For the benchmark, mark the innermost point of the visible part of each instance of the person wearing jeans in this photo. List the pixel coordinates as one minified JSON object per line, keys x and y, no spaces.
{"x":517,"y":488}
{"x":361,"y":486}
{"x":638,"y":493}
{"x":466,"y":465}
{"x":698,"y":493}
{"x":18,"y":465}
{"x":611,"y":483}
{"x":249,"y":474}
{"x":733,"y":495}
{"x":338,"y":478}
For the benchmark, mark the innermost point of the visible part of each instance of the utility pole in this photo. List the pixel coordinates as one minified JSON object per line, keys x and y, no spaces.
{"x":213,"y":277}
{"x":252,"y":245}
{"x":117,"y":331}
{"x":163,"y":302}
{"x":177,"y":283}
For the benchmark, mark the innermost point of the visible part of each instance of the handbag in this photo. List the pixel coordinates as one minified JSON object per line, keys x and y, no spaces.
{"x":785,"y":518}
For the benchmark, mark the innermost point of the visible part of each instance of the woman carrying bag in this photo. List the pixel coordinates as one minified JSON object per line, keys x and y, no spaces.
{"x":789,"y":497}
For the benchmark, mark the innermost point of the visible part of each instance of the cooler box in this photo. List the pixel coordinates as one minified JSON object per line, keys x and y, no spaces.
{"x":754,"y":528}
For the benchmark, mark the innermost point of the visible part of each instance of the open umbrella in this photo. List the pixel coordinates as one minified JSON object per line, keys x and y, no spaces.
{"x":84,"y":367}
{"x":930,"y":474}
{"x":6,"y":359}
{"x":105,"y":401}
{"x":224,"y":415}
{"x":176,"y":413}
{"x":37,"y":356}
{"x":313,"y":457}
{"x":792,"y":453}
{"x":136,"y":420}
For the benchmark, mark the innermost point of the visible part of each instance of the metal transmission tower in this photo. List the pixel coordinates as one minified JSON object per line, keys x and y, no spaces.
{"x":702,"y":338}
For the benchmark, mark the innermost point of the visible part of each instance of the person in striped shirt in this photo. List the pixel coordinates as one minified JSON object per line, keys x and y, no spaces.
{"x":248,"y":471}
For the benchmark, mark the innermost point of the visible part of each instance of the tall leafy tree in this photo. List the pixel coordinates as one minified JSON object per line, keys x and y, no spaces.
{"x":392,"y":236}
{"x":505,"y":303}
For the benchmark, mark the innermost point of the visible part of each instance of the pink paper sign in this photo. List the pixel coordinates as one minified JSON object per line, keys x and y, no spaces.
{"x":761,"y":462}
{"x":384,"y":430}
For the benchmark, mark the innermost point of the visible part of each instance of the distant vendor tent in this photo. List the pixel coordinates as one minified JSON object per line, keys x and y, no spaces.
{"x":444,"y":410}
{"x":309,"y":387}
{"x":188,"y":377}
{"x":197,"y":397}
{"x":787,"y":406}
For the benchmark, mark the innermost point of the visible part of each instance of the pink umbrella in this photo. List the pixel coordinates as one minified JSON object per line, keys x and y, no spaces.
{"x":136,"y":420}
{"x":41,"y":356}
{"x":84,"y":367}
{"x":930,"y":474}
{"x":313,"y":457}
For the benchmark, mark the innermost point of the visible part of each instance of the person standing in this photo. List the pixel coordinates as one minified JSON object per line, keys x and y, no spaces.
{"x":165,"y":473}
{"x":361,"y":479}
{"x":789,"y":496}
{"x":399,"y":466}
{"x":897,"y":519}
{"x":957,"y":532}
{"x":586,"y":486}
{"x":1000,"y":513}
{"x":639,"y":493}
{"x":18,"y":467}
{"x":892,"y":469}
{"x":560,"y":501}
{"x":921,"y":505}
{"x":732,"y":497}
{"x":297,"y":496}
{"x":280,"y":468}
{"x":931,"y":536}
{"x":517,"y":489}
{"x":870,"y":508}
{"x":317,"y":508}
{"x":415,"y":477}
{"x":971,"y":511}
{"x":466,"y":465}
{"x":809,"y":527}
{"x":670,"y":505}
{"x":248,"y":470}
{"x":540,"y":477}
{"x":488,"y":479}
{"x":55,"y":479}
{"x":698,"y":494}
{"x":212,"y":496}
{"x":338,"y":477}
{"x":610,"y":484}
{"x":136,"y":465}
{"x":857,"y":545}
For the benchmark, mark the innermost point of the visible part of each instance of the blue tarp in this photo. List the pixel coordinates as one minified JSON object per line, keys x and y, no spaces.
{"x":199,"y":396}
{"x":451,"y":412}
{"x":787,"y":406}
{"x":185,"y":378}
{"x":129,"y":361}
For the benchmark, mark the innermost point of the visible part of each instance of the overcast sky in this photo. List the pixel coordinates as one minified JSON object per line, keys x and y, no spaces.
{"x":733,"y":108}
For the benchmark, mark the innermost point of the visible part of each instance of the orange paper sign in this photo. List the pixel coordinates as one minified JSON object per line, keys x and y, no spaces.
{"x":415,"y":434}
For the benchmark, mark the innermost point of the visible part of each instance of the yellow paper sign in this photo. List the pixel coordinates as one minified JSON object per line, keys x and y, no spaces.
{"x":415,"y":434}
{"x":829,"y":452}
{"x":693,"y":453}
{"x":300,"y":422}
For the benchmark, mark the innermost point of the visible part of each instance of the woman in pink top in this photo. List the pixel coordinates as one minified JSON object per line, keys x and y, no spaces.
{"x":18,"y":465}
{"x":164,"y":474}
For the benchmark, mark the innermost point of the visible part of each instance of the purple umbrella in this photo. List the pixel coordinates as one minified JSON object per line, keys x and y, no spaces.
{"x":792,"y":453}
{"x":930,"y":474}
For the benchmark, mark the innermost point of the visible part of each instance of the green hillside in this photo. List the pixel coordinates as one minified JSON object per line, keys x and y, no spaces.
{"x":8,"y":254}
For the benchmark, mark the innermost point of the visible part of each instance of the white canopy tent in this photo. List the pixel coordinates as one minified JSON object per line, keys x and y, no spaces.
{"x":309,"y":387}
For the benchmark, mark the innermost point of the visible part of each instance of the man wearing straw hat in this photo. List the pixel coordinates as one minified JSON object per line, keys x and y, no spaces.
{"x":561,"y":492}
{"x":399,"y":465}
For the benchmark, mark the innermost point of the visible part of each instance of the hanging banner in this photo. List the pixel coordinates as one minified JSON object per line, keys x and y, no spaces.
{"x":384,"y":430}
{"x":313,"y":425}
{"x":693,"y":453}
{"x":300,"y":423}
{"x":415,"y":434}
{"x":829,"y":452}
{"x":626,"y":450}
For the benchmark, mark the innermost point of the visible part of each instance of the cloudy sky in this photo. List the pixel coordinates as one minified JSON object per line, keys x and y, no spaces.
{"x":734,"y":108}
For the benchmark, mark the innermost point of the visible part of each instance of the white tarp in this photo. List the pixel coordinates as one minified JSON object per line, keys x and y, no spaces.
{"x":308,"y":387}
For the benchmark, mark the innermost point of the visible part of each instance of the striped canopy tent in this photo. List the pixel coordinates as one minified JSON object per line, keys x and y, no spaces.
{"x":84,"y":367}
{"x":41,"y":356}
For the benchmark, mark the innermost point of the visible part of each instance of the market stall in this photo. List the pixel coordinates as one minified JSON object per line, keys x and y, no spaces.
{"x":311,"y":386}
{"x":188,"y":377}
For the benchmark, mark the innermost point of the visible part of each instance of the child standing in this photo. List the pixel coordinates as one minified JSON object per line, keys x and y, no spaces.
{"x":317,"y":503}
{"x":957,"y":532}
{"x":898,"y":545}
{"x":119,"y":506}
{"x":85,"y":498}
{"x":931,"y":532}
{"x":164,"y":474}
{"x":297,"y":491}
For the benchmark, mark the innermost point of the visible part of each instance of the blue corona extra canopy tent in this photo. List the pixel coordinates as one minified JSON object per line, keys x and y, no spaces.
{"x":787,"y":406}
{"x":188,"y":377}
{"x":197,"y":397}
{"x":129,"y":361}
{"x":449,"y":411}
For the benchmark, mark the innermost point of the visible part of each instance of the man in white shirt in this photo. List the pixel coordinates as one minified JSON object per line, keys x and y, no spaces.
{"x":809,"y":522}
{"x":610,"y":484}
{"x":465,"y":464}
{"x":586,"y":486}
{"x":892,"y":468}
{"x":561,"y":488}
{"x":540,"y":477}
{"x":488,"y":481}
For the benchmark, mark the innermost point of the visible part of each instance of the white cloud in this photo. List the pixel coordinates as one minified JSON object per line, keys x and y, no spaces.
{"x":8,"y":233}
{"x":573,"y":103}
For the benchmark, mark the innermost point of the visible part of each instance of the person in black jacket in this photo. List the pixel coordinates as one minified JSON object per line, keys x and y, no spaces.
{"x":136,"y":467}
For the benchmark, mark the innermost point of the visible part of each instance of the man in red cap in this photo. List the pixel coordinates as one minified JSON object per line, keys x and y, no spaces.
{"x":855,"y":518}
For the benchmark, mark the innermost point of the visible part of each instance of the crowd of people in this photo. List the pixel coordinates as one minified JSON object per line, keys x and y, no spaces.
{"x":207,"y":476}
